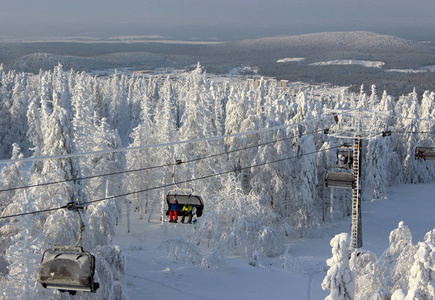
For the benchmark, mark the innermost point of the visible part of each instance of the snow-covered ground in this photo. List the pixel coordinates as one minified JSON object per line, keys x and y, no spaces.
{"x":290,"y":59}
{"x":422,"y":69}
{"x":364,"y":63}
{"x":152,"y":275}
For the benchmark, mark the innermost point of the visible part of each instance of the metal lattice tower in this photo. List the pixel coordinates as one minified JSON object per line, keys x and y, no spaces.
{"x":356,"y":225}
{"x":351,"y":124}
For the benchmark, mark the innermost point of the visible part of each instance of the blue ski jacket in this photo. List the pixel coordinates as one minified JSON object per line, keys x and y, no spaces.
{"x":175,"y":206}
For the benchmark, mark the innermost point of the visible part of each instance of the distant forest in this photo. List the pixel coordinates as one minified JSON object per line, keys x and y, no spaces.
{"x":260,"y":54}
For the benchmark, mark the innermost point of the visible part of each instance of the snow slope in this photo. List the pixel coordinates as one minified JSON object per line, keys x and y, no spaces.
{"x":364,"y":63}
{"x":152,"y":275}
{"x":290,"y":59}
{"x":420,"y":70}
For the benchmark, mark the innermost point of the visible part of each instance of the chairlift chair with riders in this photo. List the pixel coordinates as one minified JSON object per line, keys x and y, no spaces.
{"x":345,"y":156}
{"x":345,"y":177}
{"x":68,"y":268}
{"x":185,"y":196}
{"x":425,"y":153}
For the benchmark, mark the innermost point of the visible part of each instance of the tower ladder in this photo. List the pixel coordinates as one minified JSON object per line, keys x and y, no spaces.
{"x":356,"y":226}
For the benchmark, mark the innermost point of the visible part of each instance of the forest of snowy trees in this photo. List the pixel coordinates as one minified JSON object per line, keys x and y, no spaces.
{"x":62,"y":113}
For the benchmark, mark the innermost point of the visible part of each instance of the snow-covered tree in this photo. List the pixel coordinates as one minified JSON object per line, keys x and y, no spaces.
{"x":339,"y":278}
{"x":24,"y":253}
{"x":422,"y":279}
{"x":18,"y":126}
{"x":11,"y":177}
{"x":369,"y":276}
{"x":144,"y":134}
{"x":398,"y":258}
{"x":374,"y":175}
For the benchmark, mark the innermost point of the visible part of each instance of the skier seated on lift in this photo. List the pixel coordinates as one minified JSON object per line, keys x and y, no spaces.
{"x":342,"y":160}
{"x":187,"y":209}
{"x":419,"y":154}
{"x":173,"y":212}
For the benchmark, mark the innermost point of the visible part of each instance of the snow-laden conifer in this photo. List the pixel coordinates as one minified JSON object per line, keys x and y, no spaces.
{"x":397,"y":260}
{"x":21,"y":239}
{"x":369,"y":276}
{"x":24,"y":253}
{"x":339,"y":279}
{"x":421,"y":281}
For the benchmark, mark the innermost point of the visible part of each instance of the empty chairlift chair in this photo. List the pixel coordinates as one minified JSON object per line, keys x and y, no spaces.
{"x":68,"y":268}
{"x":425,"y":153}
{"x":185,"y":196}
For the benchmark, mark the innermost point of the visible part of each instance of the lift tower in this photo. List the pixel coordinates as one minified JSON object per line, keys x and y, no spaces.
{"x":356,"y":125}
{"x":356,"y":225}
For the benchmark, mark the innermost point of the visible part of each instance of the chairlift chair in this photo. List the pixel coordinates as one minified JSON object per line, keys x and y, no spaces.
{"x":345,"y":157}
{"x":425,"y":153}
{"x":68,"y":268}
{"x":342,"y":180}
{"x":185,"y":196}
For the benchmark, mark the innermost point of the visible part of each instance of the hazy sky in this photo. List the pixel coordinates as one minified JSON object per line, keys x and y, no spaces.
{"x":213,"y":19}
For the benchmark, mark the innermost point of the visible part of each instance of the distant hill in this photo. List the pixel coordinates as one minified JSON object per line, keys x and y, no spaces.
{"x":311,"y":50}
{"x":324,"y":46}
{"x":305,"y":57}
{"x":335,"y":41}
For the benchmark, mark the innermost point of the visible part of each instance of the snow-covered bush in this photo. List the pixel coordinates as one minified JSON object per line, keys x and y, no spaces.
{"x":270,"y":241}
{"x":214,"y":260}
{"x":287,"y":261}
{"x":182,"y":251}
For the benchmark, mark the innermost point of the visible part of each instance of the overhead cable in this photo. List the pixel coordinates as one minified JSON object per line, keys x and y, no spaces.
{"x":170,"y":184}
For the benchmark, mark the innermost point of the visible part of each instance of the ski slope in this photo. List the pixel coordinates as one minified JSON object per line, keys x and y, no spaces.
{"x":151,"y":274}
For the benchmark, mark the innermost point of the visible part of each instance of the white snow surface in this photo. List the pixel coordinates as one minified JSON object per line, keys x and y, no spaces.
{"x":364,"y":63}
{"x":421,"y":70}
{"x":151,"y":274}
{"x":290,"y":59}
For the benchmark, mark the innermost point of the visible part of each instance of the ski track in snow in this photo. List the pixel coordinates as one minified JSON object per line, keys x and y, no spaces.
{"x":321,"y":268}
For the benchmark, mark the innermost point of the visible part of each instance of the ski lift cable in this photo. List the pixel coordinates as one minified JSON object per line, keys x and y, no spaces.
{"x":175,"y":183}
{"x":407,"y":132}
{"x":167,"y":185}
{"x":381,"y":113}
{"x":35,"y":212}
{"x":262,"y":130}
{"x":207,"y":176}
{"x":147,"y":168}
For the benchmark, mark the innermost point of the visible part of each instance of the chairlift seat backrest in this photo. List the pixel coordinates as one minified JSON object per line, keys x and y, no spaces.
{"x":340,"y":180}
{"x":185,"y":196}
{"x":67,"y":269}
